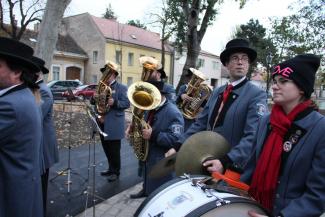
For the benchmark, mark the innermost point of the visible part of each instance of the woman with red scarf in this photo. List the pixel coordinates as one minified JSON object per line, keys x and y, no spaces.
{"x":286,"y":171}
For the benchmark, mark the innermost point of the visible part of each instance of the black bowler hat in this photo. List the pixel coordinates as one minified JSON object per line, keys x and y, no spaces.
{"x":17,"y":52}
{"x":40,"y":63}
{"x":301,"y":69}
{"x":235,"y":46}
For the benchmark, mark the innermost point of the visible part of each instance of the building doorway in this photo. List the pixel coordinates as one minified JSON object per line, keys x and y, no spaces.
{"x":73,"y":73}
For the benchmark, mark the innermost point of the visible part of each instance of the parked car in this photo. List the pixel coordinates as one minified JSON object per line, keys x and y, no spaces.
{"x":59,"y":86}
{"x":82,"y":92}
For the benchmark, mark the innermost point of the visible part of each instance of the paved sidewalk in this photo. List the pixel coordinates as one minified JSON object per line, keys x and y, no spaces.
{"x":119,"y":205}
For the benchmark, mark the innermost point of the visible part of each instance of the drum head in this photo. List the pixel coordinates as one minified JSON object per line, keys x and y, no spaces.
{"x":182,"y":197}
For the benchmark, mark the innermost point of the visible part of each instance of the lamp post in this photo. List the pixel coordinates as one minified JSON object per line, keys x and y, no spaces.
{"x":268,"y":63}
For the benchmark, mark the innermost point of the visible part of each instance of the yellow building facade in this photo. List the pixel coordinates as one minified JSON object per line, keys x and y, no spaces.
{"x":127,"y":56}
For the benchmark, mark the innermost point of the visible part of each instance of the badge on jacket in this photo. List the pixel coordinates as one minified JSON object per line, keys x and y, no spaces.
{"x":177,"y":128}
{"x":261,"y":109}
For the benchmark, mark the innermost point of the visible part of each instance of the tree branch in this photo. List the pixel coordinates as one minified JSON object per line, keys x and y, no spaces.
{"x":206,"y":19}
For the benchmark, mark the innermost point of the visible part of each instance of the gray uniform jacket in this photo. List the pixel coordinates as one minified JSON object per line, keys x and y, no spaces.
{"x":238,"y":120}
{"x":114,"y":123}
{"x":301,"y":185}
{"x":170,"y":92}
{"x":50,"y":147}
{"x":167,"y":127}
{"x":20,"y":141}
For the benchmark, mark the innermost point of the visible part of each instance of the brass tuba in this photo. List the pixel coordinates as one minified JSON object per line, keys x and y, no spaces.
{"x":198,"y":91}
{"x":143,"y":96}
{"x":104,"y":92}
{"x":149,"y":65}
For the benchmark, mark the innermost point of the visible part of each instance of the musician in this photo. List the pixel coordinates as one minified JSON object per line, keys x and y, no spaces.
{"x":157,"y":73}
{"x":233,"y":110}
{"x":165,"y":127}
{"x":170,"y":92}
{"x":50,"y":150}
{"x":182,"y":96}
{"x":113,"y":123}
{"x":20,"y":132}
{"x":286,"y":171}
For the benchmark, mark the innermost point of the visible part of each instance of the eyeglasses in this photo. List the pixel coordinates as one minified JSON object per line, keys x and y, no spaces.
{"x":280,"y":81}
{"x":235,"y":59}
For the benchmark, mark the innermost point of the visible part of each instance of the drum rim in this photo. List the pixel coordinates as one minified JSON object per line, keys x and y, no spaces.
{"x":233,"y":200}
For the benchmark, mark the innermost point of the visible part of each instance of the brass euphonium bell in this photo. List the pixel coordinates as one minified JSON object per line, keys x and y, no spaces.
{"x":144,"y":97}
{"x":198,"y":91}
{"x":104,"y":92}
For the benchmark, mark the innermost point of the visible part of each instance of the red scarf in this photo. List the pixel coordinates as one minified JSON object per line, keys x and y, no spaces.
{"x":265,"y":177}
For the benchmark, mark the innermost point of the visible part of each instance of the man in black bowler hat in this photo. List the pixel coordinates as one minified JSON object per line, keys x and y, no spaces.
{"x":113,"y":122}
{"x":234,"y":109}
{"x":20,"y":132}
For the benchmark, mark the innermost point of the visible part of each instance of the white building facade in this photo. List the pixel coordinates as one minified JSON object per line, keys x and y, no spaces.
{"x":207,"y":63}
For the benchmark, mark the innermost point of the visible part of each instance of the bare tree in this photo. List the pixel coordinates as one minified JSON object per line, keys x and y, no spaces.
{"x":49,"y":29}
{"x":193,"y":18}
{"x":165,"y":21}
{"x":27,"y":11}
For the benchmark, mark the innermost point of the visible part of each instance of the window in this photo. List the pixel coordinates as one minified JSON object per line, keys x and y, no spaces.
{"x":95,"y":56}
{"x":130,"y":59}
{"x":200,"y":63}
{"x":215,"y":65}
{"x":141,"y":55}
{"x":94,"y":79}
{"x":56,"y":72}
{"x":129,"y":81}
{"x":214,"y":82}
{"x":118,"y":56}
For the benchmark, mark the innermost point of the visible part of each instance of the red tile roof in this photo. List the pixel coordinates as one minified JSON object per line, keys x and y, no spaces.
{"x":114,"y":30}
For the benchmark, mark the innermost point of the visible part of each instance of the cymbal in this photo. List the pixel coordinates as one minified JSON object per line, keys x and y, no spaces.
{"x":197,"y":149}
{"x":163,"y":167}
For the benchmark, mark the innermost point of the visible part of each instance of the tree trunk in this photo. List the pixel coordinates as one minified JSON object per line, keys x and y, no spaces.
{"x":49,"y":29}
{"x":193,"y":41}
{"x":163,"y":46}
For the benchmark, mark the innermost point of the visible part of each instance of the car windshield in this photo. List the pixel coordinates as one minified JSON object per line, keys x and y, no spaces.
{"x":51,"y":83}
{"x":81,"y":87}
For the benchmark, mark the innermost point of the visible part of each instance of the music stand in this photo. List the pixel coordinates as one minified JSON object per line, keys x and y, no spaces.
{"x":68,"y":170}
{"x":94,"y":129}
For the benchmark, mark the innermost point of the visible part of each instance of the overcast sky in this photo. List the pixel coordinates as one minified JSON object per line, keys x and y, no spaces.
{"x":216,"y":36}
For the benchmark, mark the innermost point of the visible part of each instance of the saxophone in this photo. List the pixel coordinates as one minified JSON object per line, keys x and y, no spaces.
{"x":144,"y":97}
{"x":104,"y":92}
{"x":198,"y":91}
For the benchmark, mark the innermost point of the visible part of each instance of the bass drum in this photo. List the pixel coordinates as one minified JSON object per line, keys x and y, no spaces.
{"x":179,"y":197}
